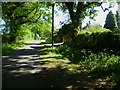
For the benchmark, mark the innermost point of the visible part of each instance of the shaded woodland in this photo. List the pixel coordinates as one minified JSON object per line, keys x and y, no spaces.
{"x":88,"y":57}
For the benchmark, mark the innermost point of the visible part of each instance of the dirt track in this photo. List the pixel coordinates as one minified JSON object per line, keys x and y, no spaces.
{"x":24,"y":68}
{"x":31,"y":67}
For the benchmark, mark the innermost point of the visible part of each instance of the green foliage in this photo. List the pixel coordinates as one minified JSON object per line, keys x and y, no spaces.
{"x":118,"y":19}
{"x":20,"y":16}
{"x":101,"y":69}
{"x":8,"y":48}
{"x":94,"y":29}
{"x":45,"y":31}
{"x":78,"y":11}
{"x":22,"y":21}
{"x":67,"y":28}
{"x":92,"y":38}
{"x":110,"y":22}
{"x":100,"y":64}
{"x":97,"y":38}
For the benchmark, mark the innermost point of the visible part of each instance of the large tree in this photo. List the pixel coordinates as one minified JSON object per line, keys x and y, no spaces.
{"x":16,"y":14}
{"x":78,"y":11}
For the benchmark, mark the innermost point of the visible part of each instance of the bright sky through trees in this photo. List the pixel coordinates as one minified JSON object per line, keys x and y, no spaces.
{"x":100,"y":18}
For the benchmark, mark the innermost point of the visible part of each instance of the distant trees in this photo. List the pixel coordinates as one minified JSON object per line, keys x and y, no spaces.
{"x":118,"y":19}
{"x":118,"y":15}
{"x":113,"y":20}
{"x":110,"y":22}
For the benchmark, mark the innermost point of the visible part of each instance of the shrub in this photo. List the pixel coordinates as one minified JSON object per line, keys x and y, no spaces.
{"x":97,"y":38}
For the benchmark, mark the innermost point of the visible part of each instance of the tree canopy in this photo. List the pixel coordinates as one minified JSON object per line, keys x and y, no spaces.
{"x":78,"y":11}
{"x":17,"y":14}
{"x":110,"y":22}
{"x":37,"y":17}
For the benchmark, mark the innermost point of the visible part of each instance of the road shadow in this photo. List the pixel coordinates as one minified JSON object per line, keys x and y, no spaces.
{"x":28,"y":70}
{"x":58,"y":77}
{"x":25,"y":60}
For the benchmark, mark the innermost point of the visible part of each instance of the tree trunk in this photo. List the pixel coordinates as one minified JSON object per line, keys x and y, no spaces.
{"x":75,"y":16}
{"x":52,"y":25}
{"x":76,"y":11}
{"x":13,"y":31}
{"x":12,"y":35}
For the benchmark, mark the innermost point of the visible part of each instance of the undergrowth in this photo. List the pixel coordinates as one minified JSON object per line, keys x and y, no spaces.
{"x":8,"y":48}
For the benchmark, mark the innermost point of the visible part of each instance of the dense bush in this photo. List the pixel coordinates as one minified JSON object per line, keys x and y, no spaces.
{"x":97,"y":38}
{"x":100,"y":64}
{"x":90,"y":43}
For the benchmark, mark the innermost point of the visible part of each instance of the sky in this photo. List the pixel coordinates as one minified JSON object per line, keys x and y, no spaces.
{"x":100,"y":18}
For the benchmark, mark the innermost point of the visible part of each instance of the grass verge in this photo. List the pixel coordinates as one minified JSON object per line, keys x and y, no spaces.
{"x":96,"y":70}
{"x":8,"y":48}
